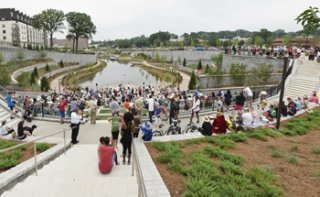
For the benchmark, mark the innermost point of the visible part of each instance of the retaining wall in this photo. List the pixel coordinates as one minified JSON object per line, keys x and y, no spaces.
{"x":10,"y":53}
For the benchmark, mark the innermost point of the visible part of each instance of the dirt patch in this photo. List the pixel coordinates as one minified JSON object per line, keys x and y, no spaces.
{"x":173,"y":180}
{"x":296,"y":179}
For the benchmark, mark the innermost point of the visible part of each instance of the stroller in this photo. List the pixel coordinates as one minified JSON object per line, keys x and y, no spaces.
{"x":28,"y":114}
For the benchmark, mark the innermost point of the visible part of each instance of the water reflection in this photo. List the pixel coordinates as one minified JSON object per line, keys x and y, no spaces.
{"x":120,"y":73}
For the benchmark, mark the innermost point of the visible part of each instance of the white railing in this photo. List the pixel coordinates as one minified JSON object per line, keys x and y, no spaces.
{"x":135,"y":162}
{"x":34,"y":141}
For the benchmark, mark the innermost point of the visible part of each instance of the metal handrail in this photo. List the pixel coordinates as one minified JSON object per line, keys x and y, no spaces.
{"x":34,"y":146}
{"x":141,"y":187}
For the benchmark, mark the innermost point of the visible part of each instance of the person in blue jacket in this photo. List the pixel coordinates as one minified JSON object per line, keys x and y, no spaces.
{"x":10,"y":104}
{"x":147,"y":131}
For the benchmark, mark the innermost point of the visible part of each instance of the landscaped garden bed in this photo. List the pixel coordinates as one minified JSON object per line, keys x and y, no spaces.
{"x":262,"y":162}
{"x":14,"y":157}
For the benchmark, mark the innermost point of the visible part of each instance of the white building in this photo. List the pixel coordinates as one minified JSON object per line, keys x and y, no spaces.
{"x":16,"y":30}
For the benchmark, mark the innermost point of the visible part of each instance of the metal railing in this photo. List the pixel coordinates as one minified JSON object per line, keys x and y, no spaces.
{"x":34,"y":142}
{"x":135,"y":163}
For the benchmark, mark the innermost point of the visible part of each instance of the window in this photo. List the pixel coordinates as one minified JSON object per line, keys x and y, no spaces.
{"x":11,"y":14}
{"x":4,"y":31}
{"x":4,"y":37}
{"x":3,"y":25}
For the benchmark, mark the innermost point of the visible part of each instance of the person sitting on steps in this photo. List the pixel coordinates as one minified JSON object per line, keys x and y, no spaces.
{"x":23,"y":132}
{"x":6,"y":130}
{"x":107,"y":155}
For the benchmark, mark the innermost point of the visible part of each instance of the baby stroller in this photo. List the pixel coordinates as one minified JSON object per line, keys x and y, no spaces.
{"x":28,"y":114}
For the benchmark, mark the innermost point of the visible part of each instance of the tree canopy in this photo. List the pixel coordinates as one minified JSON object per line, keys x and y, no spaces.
{"x":80,"y":24}
{"x":50,"y":20}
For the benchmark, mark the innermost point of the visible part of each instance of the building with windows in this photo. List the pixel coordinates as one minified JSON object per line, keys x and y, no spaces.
{"x":16,"y":30}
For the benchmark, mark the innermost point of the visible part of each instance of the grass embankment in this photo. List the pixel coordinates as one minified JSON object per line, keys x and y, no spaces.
{"x":73,"y":79}
{"x":244,"y":164}
{"x":160,"y":73}
{"x":16,"y":65}
{"x":12,"y":158}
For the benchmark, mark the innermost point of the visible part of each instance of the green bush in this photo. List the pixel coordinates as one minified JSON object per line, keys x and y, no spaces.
{"x":20,"y":54}
{"x":276,"y":153}
{"x":41,"y":147}
{"x":238,"y":73}
{"x":293,"y":160}
{"x":5,"y":76}
{"x":9,"y":159}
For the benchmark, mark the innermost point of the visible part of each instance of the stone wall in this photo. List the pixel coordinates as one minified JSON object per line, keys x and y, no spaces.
{"x":192,"y":57}
{"x":10,"y":53}
{"x":213,"y":81}
{"x":251,"y":61}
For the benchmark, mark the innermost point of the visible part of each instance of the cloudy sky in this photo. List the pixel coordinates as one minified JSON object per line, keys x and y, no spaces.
{"x":129,"y":18}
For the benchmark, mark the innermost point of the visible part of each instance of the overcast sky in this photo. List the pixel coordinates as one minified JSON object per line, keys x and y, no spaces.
{"x":129,"y":18}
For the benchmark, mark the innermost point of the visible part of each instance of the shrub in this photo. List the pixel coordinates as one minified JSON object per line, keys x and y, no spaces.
{"x":293,"y":160}
{"x":199,"y":65}
{"x":276,"y":153}
{"x":238,"y":73}
{"x":1,"y":58}
{"x":45,"y":86}
{"x":294,"y":148}
{"x":184,"y":62}
{"x":42,"y":54}
{"x":5,"y":76}
{"x":47,"y":68}
{"x":35,"y":71}
{"x":61,"y":64}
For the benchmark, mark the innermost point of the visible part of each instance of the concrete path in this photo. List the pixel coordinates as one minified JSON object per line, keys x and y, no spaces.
{"x":77,"y":173}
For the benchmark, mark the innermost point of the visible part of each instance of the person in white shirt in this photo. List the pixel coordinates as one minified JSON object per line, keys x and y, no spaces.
{"x":75,"y":124}
{"x":248,"y":95}
{"x":247,"y":118}
{"x":150,"y":102}
{"x":195,"y":108}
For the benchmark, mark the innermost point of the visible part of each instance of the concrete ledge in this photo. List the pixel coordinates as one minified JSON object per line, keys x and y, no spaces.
{"x":151,"y":179}
{"x":11,"y":177}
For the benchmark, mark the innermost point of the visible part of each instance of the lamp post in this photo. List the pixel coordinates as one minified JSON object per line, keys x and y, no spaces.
{"x":283,"y":81}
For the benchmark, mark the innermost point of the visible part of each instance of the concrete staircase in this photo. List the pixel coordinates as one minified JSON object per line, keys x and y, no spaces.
{"x":305,"y":80}
{"x":76,"y":174}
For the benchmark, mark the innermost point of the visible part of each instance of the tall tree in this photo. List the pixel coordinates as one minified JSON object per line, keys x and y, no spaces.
{"x":71,"y":37}
{"x":80,"y":24}
{"x":309,"y":20}
{"x":50,"y":20}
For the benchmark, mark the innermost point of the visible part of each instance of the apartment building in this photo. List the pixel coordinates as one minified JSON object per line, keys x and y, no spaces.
{"x":16,"y":30}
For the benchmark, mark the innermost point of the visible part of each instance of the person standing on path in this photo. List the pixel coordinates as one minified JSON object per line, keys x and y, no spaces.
{"x":75,"y":124}
{"x":114,"y":105}
{"x":126,"y":139}
{"x":62,"y":109}
{"x":93,"y":110}
{"x":150,"y":102}
{"x":115,"y":127}
{"x":248,"y":95}
{"x":195,"y":108}
{"x":10,"y":104}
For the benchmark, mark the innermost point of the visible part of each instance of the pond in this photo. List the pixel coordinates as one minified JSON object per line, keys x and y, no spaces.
{"x":116,"y":73}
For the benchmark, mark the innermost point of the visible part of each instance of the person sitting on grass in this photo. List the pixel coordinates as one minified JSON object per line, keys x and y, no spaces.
{"x":107,"y":155}
{"x":23,"y":132}
{"x":5,"y":130}
{"x":291,"y":107}
{"x":271,"y":113}
{"x":219,"y":125}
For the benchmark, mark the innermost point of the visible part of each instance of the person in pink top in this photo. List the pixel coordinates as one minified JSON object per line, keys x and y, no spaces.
{"x":107,"y":155}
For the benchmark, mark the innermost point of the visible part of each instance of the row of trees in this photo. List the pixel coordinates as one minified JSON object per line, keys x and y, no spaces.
{"x":79,"y":25}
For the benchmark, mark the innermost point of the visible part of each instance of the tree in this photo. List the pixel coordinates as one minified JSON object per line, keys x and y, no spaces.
{"x":192,"y":82}
{"x":32,"y":78}
{"x":184,"y":62}
{"x":199,"y":65}
{"x":49,"y":20}
{"x":80,"y":24}
{"x":61,"y":64}
{"x":47,"y":68}
{"x":309,"y":20}
{"x":217,"y":59}
{"x":44,"y":84}
{"x":35,"y":71}
{"x":258,"y":40}
{"x":71,"y":37}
